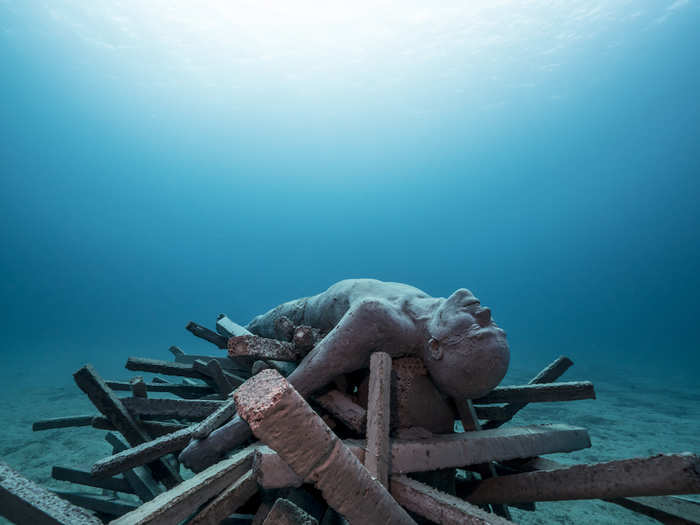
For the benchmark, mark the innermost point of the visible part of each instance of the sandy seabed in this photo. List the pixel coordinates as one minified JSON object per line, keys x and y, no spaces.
{"x":633,"y":416}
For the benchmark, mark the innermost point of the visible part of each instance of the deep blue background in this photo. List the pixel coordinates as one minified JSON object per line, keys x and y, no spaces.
{"x":134,"y":199}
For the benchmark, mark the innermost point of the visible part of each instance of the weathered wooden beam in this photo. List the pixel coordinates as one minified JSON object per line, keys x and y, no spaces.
{"x":23,"y":501}
{"x":539,"y":393}
{"x":378,"y":454}
{"x":158,"y":366}
{"x":218,"y":417}
{"x":284,"y":512}
{"x":184,"y":391}
{"x":439,"y":507}
{"x":548,"y":374}
{"x":470,"y":448}
{"x":82,"y":477}
{"x":187,"y":409}
{"x":97,"y":502}
{"x":153,"y":428}
{"x":138,"y":478}
{"x":667,"y":509}
{"x":206,"y":334}
{"x":138,"y":387}
{"x":674,"y":510}
{"x":178,"y":503}
{"x":344,"y":409}
{"x":63,"y":422}
{"x":228,"y":328}
{"x":142,"y":454}
{"x":262,"y":348}
{"x":213,"y":369}
{"x":659,"y":475}
{"x":456,"y":450}
{"x":267,"y":402}
{"x":228,"y":501}
{"x":113,"y":409}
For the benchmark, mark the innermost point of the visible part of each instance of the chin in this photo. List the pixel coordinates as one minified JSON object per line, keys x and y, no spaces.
{"x":485,"y":371}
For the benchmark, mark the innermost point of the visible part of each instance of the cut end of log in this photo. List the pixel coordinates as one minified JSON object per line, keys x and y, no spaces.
{"x":259,"y":394}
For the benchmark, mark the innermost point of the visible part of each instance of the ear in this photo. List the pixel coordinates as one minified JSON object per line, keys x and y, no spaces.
{"x":435,"y":349}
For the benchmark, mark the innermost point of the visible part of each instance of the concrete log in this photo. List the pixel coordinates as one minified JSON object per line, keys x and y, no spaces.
{"x":153,"y":428}
{"x":138,"y":387}
{"x":97,"y":502}
{"x":284,"y":512}
{"x":188,"y":409}
{"x":81,"y":477}
{"x":281,"y":418}
{"x":262,"y":348}
{"x":184,"y":391}
{"x":378,"y":453}
{"x":539,"y":393}
{"x":548,"y":374}
{"x":139,"y":478}
{"x":113,"y":409}
{"x":470,"y":448}
{"x":23,"y":501}
{"x":213,"y":369}
{"x":63,"y":422}
{"x":142,"y":454}
{"x":439,"y":507}
{"x":674,"y":510}
{"x":157,"y":366}
{"x":228,"y":501}
{"x":228,"y":328}
{"x":659,"y":475}
{"x":206,"y":334}
{"x":470,"y":422}
{"x":177,"y":503}
{"x":344,"y":409}
{"x":218,"y":417}
{"x":456,"y":450}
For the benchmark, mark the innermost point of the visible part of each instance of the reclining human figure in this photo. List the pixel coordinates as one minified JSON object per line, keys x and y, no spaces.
{"x":465,"y":353}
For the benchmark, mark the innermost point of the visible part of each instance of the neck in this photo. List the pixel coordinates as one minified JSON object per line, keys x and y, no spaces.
{"x":422,"y":310}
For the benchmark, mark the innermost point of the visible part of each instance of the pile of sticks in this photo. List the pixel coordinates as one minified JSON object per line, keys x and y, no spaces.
{"x":329,"y":459}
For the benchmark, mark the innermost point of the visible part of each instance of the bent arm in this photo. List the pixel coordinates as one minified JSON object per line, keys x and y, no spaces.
{"x":368,"y":326}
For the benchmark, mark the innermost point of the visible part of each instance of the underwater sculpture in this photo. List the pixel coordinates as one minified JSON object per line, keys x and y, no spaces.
{"x":464,"y":351}
{"x":318,"y":456}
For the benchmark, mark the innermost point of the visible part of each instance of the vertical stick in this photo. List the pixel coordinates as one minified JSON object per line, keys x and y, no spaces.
{"x":378,"y":452}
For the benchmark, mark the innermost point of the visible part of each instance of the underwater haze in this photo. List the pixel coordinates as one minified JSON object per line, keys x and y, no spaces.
{"x":162,"y":162}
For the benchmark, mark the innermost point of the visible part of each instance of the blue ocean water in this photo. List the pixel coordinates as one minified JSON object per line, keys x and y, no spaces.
{"x":166,"y":162}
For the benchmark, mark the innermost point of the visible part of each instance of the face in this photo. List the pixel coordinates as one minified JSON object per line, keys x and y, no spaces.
{"x":467,"y":355}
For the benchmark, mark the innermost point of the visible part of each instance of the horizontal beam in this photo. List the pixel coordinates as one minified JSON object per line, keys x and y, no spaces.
{"x":85,"y":478}
{"x":189,"y":409}
{"x":178,"y":503}
{"x":185,"y":391}
{"x":24,"y":501}
{"x":448,"y":451}
{"x":157,"y":366}
{"x":539,"y":393}
{"x":439,"y":507}
{"x":658,"y":475}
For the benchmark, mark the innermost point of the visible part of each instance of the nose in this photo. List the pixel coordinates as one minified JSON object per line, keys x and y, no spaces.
{"x":483,"y":316}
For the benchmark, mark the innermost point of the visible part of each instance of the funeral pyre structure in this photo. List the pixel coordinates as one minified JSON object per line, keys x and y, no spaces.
{"x":356,"y":452}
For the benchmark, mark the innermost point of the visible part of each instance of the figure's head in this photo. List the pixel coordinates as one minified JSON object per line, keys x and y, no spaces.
{"x":467,"y":354}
